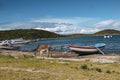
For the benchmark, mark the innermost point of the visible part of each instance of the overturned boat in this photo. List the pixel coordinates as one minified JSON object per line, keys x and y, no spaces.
{"x":7,"y":47}
{"x":88,"y":49}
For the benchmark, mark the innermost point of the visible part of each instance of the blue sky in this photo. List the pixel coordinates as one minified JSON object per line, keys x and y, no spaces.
{"x":83,"y":15}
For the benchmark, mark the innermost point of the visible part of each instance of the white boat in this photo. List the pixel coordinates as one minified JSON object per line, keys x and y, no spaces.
{"x":1,"y":42}
{"x":7,"y":47}
{"x":107,"y":36}
{"x":88,"y":49}
{"x":14,"y":41}
{"x":5,"y":42}
{"x":19,"y":41}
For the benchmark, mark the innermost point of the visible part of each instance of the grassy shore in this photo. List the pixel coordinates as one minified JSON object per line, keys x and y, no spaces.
{"x":16,"y":65}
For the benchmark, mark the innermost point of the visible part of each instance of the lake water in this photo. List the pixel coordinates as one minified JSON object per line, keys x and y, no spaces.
{"x":112,"y":43}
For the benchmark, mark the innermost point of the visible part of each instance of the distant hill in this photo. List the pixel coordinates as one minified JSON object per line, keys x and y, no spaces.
{"x":75,"y":35}
{"x":108,"y":31}
{"x":103,"y":32}
{"x":35,"y":34}
{"x":27,"y":34}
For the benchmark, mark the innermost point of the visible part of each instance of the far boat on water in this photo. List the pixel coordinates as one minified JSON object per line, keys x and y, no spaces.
{"x":88,"y":49}
{"x":107,"y":36}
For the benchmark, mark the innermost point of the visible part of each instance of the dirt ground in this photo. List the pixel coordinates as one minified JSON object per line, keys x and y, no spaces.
{"x":106,"y":58}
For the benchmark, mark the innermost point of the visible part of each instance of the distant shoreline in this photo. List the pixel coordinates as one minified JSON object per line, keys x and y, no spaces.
{"x":38,"y":34}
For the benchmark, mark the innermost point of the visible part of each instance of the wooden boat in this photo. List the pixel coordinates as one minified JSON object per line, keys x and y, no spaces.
{"x":6,"y":47}
{"x":19,"y":41}
{"x":14,"y":42}
{"x":88,"y":49}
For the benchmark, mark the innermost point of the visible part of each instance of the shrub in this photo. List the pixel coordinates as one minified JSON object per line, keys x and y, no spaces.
{"x":84,"y":67}
{"x":98,"y":70}
{"x":113,"y":71}
{"x":108,"y":71}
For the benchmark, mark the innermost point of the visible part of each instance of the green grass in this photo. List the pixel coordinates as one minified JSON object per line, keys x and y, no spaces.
{"x":30,"y":68}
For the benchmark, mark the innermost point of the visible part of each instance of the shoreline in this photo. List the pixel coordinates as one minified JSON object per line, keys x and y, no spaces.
{"x":71,"y":56}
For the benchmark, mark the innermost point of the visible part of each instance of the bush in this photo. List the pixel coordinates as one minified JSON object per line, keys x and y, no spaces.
{"x":108,"y":71}
{"x":84,"y":67}
{"x":98,"y":70}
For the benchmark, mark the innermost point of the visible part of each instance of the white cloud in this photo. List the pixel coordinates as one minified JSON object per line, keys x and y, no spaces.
{"x":104,"y":23}
{"x":61,"y":29}
{"x":89,"y":30}
{"x":73,"y":20}
{"x":108,"y":24}
{"x":64,"y":25}
{"x":116,"y":23}
{"x":77,"y":24}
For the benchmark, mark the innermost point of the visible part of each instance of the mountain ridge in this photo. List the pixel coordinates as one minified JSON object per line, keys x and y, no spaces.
{"x":27,"y":34}
{"x":35,"y":34}
{"x":107,"y":32}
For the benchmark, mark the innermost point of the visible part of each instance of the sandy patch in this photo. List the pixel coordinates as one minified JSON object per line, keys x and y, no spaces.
{"x":107,"y":58}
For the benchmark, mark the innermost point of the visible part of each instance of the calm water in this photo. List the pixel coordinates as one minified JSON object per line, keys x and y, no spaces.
{"x":112,"y":44}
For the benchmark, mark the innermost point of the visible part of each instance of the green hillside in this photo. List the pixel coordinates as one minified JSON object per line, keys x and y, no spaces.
{"x":103,"y":32}
{"x":27,"y":34}
{"x":108,"y":31}
{"x":75,"y":35}
{"x":35,"y":34}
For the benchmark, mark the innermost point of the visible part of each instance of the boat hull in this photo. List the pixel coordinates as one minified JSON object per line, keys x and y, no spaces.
{"x":85,"y":49}
{"x":9,"y":47}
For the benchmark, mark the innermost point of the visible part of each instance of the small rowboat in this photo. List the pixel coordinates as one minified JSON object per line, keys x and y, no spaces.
{"x":8,"y":47}
{"x":88,"y":49}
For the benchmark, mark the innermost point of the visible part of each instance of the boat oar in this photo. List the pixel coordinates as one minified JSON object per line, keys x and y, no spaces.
{"x":100,"y":50}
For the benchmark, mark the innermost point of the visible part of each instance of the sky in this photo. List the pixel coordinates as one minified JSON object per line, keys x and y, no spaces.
{"x":60,"y":16}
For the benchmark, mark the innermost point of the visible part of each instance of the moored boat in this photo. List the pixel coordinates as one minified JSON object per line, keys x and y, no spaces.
{"x":6,"y":47}
{"x":88,"y":49}
{"x":107,"y":36}
{"x":19,"y":41}
{"x":14,"y":42}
